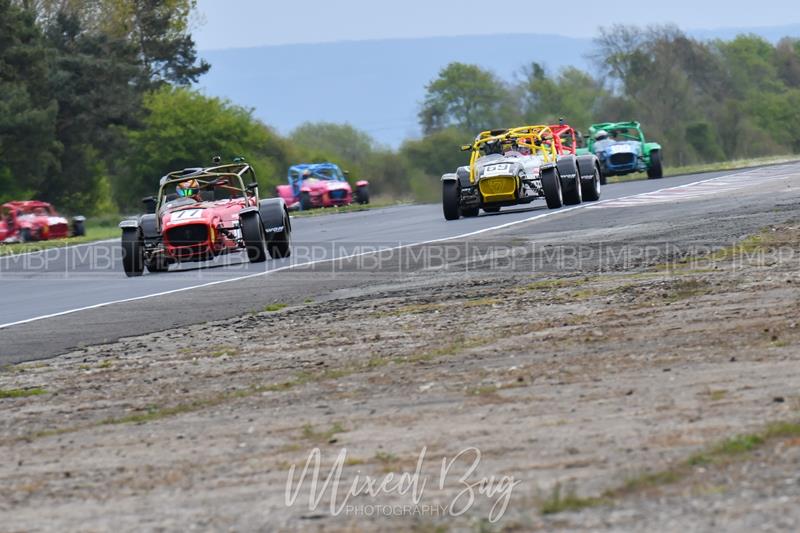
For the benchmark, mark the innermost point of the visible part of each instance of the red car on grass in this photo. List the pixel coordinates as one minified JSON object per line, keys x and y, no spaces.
{"x":201,"y":213}
{"x":36,"y":221}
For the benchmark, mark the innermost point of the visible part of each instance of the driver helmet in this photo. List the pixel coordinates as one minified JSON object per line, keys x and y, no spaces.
{"x":509,"y":146}
{"x":492,"y":147}
{"x":601,"y":135}
{"x":187,"y":189}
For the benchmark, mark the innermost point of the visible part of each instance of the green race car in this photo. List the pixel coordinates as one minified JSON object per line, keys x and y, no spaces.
{"x":622,"y":149}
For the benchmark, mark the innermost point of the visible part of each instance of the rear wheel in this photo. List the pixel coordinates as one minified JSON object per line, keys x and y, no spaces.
{"x":551,"y":184}
{"x":451,"y":200}
{"x":132,"y":253}
{"x":591,"y":189}
{"x":254,"y":238}
{"x":362,"y":195}
{"x":78,"y":228}
{"x":571,"y":187}
{"x":25,"y":235}
{"x":280,"y":245}
{"x":656,"y":170}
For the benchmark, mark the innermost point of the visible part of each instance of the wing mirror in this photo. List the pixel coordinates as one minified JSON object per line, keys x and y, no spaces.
{"x":150,"y":203}
{"x":253,"y":188}
{"x":466,"y":147}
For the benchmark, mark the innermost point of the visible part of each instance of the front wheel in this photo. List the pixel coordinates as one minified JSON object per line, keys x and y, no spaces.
{"x":451,"y":200}
{"x":492,"y":209}
{"x":305,"y":201}
{"x":655,"y":170}
{"x":132,"y":253}
{"x":25,"y":235}
{"x":551,"y":183}
{"x":254,"y":238}
{"x":362,"y":195}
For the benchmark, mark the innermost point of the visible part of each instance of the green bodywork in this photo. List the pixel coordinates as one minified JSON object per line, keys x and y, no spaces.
{"x":624,"y":130}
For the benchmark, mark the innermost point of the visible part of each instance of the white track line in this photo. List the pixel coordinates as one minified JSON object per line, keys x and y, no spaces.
{"x":699,"y":189}
{"x":351,"y":256}
{"x":67,"y":246}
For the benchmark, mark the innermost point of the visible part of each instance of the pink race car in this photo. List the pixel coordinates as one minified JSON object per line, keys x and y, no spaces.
{"x":321,"y":185}
{"x":36,"y":221}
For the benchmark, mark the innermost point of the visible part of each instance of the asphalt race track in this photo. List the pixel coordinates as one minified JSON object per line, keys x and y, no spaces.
{"x":59,"y":299}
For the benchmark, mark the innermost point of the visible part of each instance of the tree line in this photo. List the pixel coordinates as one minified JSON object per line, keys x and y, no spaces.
{"x":96,"y":104}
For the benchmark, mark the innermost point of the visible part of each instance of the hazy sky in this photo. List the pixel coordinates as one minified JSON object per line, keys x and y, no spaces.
{"x":241,"y":23}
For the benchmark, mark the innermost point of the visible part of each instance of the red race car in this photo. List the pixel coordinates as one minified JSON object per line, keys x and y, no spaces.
{"x":36,"y":221}
{"x":321,"y":185}
{"x":201,"y":213}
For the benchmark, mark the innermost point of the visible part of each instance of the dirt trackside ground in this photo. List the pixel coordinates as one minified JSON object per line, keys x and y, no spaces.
{"x":637,"y":399}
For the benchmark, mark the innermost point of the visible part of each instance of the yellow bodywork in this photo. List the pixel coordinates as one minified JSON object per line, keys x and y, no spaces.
{"x":499,"y":189}
{"x":538,"y":139}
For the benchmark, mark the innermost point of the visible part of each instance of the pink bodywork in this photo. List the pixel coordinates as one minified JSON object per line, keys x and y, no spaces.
{"x":322,"y":193}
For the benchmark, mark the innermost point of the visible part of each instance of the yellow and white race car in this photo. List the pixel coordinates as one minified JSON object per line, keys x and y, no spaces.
{"x":517,"y":166}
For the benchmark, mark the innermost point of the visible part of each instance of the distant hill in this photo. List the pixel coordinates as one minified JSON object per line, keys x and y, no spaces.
{"x":377,"y":85}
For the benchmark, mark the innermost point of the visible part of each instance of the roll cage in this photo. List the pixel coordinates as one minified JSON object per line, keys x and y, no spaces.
{"x":621,"y":128}
{"x":540,"y":140}
{"x":235,"y":172}
{"x":565,"y":138}
{"x":322,"y":171}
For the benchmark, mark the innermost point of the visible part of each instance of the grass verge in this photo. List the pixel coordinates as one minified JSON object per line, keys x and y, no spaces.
{"x":20,"y":393}
{"x":735,"y":448}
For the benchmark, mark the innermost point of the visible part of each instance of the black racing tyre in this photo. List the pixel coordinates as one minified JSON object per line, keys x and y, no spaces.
{"x":492,"y":209}
{"x":656,"y":170}
{"x":591,"y":189}
{"x":254,"y":237}
{"x":305,"y":201}
{"x":280,"y":244}
{"x":451,"y":200}
{"x":362,"y":195}
{"x":157,"y":264}
{"x":471,"y":212}
{"x":570,"y":186}
{"x":78,"y":228}
{"x":603,"y":178}
{"x":551,"y":184}
{"x":25,"y":235}
{"x":132,"y":253}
